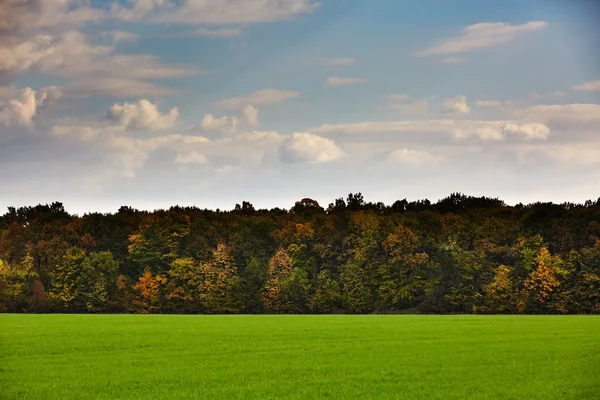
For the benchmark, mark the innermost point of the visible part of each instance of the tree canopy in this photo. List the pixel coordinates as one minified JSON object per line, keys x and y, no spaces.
{"x":462,"y":254}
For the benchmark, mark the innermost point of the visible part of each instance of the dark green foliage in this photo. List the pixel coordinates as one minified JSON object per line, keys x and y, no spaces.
{"x":462,"y":254}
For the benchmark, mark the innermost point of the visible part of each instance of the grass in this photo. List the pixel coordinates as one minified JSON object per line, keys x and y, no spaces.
{"x":299,"y":357}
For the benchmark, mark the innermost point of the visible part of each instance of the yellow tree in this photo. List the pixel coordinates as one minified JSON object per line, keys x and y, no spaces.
{"x":500,"y":295}
{"x":542,"y":283}
{"x":220,"y":283}
{"x":148,"y":288}
{"x":287,"y":287}
{"x":405,"y":277}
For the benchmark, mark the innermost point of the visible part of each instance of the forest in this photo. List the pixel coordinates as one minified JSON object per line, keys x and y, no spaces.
{"x":462,"y":254}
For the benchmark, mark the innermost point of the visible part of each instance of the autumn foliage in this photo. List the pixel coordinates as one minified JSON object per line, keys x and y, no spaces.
{"x":460,"y":255}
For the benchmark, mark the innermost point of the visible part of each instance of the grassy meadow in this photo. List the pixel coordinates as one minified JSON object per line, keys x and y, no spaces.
{"x":299,"y":357}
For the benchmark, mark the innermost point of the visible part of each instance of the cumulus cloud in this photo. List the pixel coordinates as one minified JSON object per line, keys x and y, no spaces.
{"x":126,"y":154}
{"x":338,"y":62}
{"x":341,"y":81}
{"x":592,"y":86}
{"x":223,"y":124}
{"x":412,"y":156}
{"x":192,"y":157}
{"x":228,"y":124}
{"x":481,"y":35}
{"x":142,"y":115}
{"x":19,"y":107}
{"x":310,"y":148}
{"x":497,"y":130}
{"x":259,"y":98}
{"x":528,"y":131}
{"x":250,"y":116}
{"x":456,"y":105}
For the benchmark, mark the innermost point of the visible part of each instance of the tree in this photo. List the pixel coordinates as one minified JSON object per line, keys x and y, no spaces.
{"x":185,"y":284}
{"x":327,"y":297}
{"x":15,"y":281}
{"x":543,"y":283}
{"x":408,"y":274}
{"x":356,"y":294}
{"x":287,"y":287}
{"x":500,"y":293}
{"x":220,"y":283}
{"x":84,"y":282}
{"x":148,"y":288}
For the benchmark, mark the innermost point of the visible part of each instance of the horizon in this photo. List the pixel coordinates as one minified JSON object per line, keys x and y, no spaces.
{"x":152,"y":103}
{"x":325,"y":205}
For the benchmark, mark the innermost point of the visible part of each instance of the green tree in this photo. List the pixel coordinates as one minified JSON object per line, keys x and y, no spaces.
{"x":327,"y":296}
{"x":84,"y":282}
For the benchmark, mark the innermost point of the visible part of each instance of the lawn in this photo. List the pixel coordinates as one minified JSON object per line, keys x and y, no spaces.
{"x":299,"y":357}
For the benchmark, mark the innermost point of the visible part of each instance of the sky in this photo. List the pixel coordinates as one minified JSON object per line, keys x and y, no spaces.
{"x":154,"y":103}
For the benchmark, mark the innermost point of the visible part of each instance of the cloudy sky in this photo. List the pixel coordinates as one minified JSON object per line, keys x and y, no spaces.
{"x":152,"y":103}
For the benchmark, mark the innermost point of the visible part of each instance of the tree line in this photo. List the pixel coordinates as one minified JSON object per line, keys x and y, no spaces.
{"x":462,"y":254}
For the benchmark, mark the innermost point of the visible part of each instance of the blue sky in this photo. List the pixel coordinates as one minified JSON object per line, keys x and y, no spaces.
{"x":152,"y":103}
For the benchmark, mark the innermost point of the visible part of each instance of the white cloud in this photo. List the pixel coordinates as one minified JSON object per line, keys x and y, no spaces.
{"x":484,"y":34}
{"x":497,"y":130}
{"x":341,"y":81}
{"x":412,"y":156}
{"x":452,"y":60}
{"x":20,"y":17}
{"x":258,"y":136}
{"x":424,"y":126}
{"x":190,"y":158}
{"x":227,"y":124}
{"x":592,"y":86}
{"x":259,"y":98}
{"x":584,"y":153}
{"x":115,"y":87}
{"x":528,"y":131}
{"x":34,"y":15}
{"x":399,"y":102}
{"x":218,"y":33}
{"x":250,"y":115}
{"x":19,"y":107}
{"x":338,"y":62}
{"x":488,"y":103}
{"x":456,"y":105}
{"x":121,"y":36}
{"x":71,"y":55}
{"x":308,"y":147}
{"x":460,"y":129}
{"x":126,"y":154}
{"x":223,"y":124}
{"x":570,"y":113}
{"x":234,"y":11}
{"x":138,"y":9}
{"x":142,"y":115}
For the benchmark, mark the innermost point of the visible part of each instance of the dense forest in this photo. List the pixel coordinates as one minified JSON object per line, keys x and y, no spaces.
{"x":462,"y":254}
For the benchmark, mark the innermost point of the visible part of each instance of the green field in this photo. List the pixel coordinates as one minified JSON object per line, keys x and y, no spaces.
{"x":300,"y":357}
